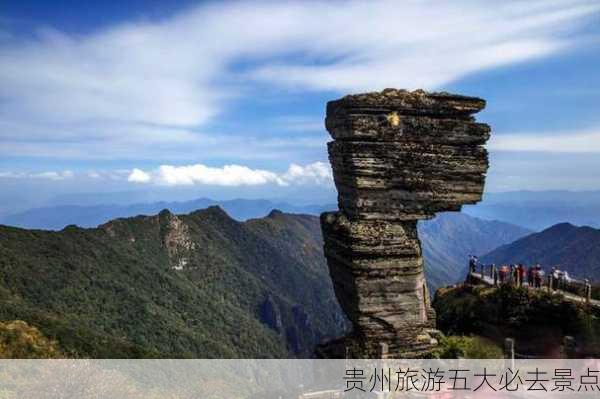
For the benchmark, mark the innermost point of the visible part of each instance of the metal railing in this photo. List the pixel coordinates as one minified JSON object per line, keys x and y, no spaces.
{"x":494,"y":277}
{"x":568,"y":349}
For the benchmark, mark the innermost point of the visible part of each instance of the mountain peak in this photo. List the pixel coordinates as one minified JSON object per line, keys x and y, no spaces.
{"x":274,"y":214}
{"x":71,"y":227}
{"x":562,"y":226}
{"x":165,"y":213}
{"x":214,"y":211}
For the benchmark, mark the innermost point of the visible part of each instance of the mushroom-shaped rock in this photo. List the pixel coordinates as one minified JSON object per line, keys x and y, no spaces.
{"x":397,"y":157}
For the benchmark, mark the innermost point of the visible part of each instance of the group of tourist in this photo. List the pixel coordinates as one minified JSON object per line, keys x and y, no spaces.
{"x":517,"y":274}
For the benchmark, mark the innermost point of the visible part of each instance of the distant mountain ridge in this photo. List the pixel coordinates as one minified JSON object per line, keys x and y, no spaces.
{"x":540,"y":210}
{"x":57,"y":217}
{"x":535,"y":210}
{"x":572,"y":248}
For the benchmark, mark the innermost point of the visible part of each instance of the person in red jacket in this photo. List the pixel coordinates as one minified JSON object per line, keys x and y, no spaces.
{"x":504,"y":274}
{"x":521,"y":274}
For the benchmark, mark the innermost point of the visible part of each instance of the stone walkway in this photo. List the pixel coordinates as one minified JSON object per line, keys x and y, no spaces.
{"x":568,"y":295}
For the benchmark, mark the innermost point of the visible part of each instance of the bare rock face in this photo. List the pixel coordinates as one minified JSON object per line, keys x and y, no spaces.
{"x":397,"y":157}
{"x":175,"y":237}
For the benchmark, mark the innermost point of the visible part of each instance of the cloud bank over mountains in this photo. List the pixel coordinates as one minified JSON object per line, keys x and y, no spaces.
{"x":317,"y":173}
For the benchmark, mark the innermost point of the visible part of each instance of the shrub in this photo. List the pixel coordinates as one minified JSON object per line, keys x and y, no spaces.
{"x":473,"y":347}
{"x":19,"y":340}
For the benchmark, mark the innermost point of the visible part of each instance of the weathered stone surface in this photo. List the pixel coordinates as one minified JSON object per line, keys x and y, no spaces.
{"x":417,"y":102}
{"x":397,"y":157}
{"x":394,"y":127}
{"x":406,"y":181}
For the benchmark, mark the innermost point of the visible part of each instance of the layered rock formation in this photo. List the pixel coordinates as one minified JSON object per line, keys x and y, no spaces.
{"x":397,"y":157}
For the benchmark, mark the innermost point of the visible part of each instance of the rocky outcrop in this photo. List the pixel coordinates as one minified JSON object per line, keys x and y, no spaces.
{"x":397,"y":157}
{"x":270,"y":314}
{"x":175,"y":237}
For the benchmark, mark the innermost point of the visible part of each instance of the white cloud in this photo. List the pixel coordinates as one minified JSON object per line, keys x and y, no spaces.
{"x":317,"y":173}
{"x":567,"y":142}
{"x":228,"y":175}
{"x":138,"y":176}
{"x":127,"y":90}
{"x":11,"y":175}
{"x":50,"y":175}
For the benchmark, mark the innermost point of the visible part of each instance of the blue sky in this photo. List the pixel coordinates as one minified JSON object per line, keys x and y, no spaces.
{"x":227,"y":98}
